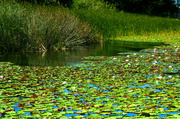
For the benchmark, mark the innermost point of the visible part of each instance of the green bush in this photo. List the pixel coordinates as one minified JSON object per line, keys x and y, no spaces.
{"x":91,"y":5}
{"x":164,"y":8}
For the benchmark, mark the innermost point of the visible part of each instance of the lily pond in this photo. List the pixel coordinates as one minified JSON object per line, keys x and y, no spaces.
{"x":139,"y":84}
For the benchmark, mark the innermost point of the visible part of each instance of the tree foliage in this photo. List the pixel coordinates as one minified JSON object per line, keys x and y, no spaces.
{"x":67,"y":3}
{"x":150,"y":7}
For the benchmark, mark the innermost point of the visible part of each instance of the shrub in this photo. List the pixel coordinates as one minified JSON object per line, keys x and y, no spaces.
{"x":92,"y":5}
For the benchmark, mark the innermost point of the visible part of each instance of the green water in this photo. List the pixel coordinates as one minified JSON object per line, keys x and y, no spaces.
{"x":72,"y":56}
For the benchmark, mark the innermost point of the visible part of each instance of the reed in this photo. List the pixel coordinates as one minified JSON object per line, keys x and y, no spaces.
{"x":36,"y":28}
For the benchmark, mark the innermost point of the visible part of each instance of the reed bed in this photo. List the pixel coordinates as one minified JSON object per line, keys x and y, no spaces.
{"x":38,"y":28}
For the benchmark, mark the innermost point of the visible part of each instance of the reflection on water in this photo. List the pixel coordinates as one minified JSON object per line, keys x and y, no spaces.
{"x":70,"y":56}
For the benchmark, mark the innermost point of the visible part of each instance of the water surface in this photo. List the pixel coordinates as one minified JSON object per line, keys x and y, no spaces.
{"x":71,"y":56}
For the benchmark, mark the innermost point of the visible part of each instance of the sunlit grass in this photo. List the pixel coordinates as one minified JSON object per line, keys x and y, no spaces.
{"x":113,"y":24}
{"x":167,"y":37}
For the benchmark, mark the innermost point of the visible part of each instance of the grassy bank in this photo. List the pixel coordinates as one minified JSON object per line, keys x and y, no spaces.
{"x":172,"y":38}
{"x":116,"y":24}
{"x":26,"y":27}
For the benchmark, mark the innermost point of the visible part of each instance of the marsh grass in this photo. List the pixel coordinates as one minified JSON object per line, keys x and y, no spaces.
{"x":38,"y":28}
{"x":115,"y":24}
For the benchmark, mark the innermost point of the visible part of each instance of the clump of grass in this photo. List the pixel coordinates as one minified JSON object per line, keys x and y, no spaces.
{"x":59,"y":28}
{"x":113,"y":24}
{"x":37,"y":28}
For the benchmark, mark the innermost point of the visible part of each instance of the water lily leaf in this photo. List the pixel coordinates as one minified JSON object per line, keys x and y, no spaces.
{"x":46,"y":114}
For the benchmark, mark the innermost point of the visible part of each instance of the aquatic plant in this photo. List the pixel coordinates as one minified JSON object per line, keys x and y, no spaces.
{"x":139,"y":85}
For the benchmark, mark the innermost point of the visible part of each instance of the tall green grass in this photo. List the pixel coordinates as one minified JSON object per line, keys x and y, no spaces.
{"x":113,"y":24}
{"x":26,"y":27}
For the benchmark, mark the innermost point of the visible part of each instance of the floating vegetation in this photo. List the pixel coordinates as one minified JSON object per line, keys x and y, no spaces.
{"x":144,"y":84}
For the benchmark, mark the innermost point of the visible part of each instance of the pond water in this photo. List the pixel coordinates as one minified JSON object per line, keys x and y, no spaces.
{"x":73,"y":56}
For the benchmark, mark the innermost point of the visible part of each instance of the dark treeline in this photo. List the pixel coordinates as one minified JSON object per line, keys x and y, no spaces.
{"x":149,"y":7}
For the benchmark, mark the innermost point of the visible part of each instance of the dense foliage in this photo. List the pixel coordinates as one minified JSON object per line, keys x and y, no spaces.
{"x":73,"y":4}
{"x":150,"y":7}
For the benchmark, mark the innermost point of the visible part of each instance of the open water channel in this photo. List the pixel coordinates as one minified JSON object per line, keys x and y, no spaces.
{"x":73,"y":56}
